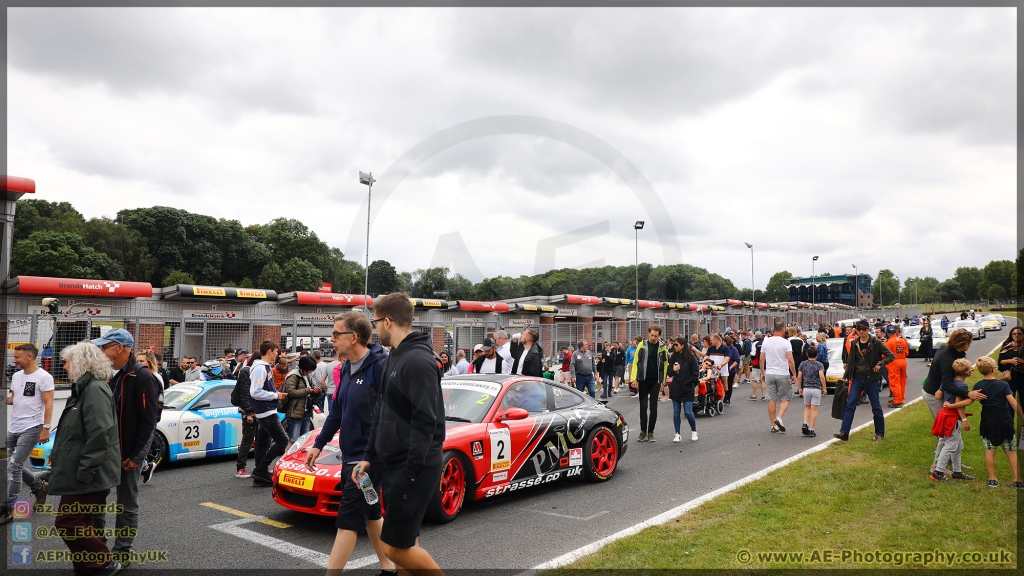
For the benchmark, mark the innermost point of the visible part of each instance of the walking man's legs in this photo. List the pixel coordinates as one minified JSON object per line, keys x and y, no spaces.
{"x":19,"y":446}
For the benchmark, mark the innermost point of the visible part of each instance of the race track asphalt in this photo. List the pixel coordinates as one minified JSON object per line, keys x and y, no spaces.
{"x":518,"y":530}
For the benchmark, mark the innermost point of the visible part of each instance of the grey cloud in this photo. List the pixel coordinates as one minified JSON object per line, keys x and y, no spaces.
{"x":648,"y":64}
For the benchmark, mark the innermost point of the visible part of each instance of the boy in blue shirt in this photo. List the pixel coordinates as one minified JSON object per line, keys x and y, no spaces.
{"x":948,"y":424}
{"x":997,"y":427}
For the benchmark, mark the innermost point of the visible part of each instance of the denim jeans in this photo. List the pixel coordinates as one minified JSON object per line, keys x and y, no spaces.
{"x":871,"y":388}
{"x":19,"y":445}
{"x":586,"y":384}
{"x":296,"y":427}
{"x":128,"y":517}
{"x":687,"y":408}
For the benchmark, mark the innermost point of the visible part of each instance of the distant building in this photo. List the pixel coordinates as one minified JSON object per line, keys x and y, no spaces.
{"x":833,"y":289}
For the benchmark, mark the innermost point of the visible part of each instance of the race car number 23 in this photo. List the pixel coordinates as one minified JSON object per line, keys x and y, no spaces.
{"x":501,"y":449}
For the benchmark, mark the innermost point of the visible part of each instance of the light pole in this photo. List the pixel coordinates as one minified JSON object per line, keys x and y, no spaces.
{"x":856,"y":288}
{"x":636,"y":230}
{"x":753,"y":297}
{"x":896,"y":310}
{"x":813,"y":314}
{"x":367,"y":178}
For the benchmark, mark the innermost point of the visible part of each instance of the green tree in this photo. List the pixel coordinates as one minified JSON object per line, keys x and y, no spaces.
{"x":123,"y":245}
{"x":461,"y":288}
{"x":997,"y":273}
{"x":950,"y":290}
{"x":272,"y":278}
{"x":383,"y":278}
{"x":177,"y":277}
{"x":996,"y":292}
{"x":777,"y":288}
{"x":301,"y":275}
{"x":428,"y":280}
{"x":246,"y":283}
{"x":889,"y":287}
{"x":62,"y":254}
{"x":37,"y":215}
{"x":969,"y":279}
{"x":703,"y":288}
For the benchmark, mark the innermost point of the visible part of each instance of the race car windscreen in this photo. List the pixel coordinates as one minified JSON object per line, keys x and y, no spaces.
{"x":179,"y":396}
{"x":468,"y":401}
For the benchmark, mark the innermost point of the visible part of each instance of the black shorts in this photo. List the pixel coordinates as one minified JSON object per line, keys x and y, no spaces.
{"x":405,"y":503}
{"x":353,"y":511}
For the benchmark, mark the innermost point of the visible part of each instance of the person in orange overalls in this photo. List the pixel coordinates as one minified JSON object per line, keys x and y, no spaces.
{"x":898,"y":367}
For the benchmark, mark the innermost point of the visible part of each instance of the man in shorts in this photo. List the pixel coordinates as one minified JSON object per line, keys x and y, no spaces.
{"x":351,"y":413}
{"x":407,"y":432}
{"x":777,"y":374}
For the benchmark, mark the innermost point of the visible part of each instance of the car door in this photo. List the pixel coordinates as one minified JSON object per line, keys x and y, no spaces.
{"x":570,"y":409}
{"x":514,"y":445}
{"x":214,"y":423}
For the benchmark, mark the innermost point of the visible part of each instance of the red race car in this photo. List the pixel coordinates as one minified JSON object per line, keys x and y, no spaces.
{"x":505,"y":433}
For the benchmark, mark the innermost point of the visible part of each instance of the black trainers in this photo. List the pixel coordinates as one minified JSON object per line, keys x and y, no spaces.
{"x":1018,"y":485}
{"x":804,"y":429}
{"x":113,"y":568}
{"x":147,"y":474}
{"x":940,"y":477}
{"x":811,"y":434}
{"x":962,"y":476}
{"x":993,"y":483}
{"x":778,"y":422}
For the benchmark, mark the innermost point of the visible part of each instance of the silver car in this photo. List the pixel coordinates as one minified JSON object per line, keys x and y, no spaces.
{"x":913,"y":337}
{"x":971,"y":326}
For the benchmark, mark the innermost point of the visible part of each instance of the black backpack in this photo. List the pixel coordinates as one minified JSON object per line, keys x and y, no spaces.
{"x":243,"y":380}
{"x":746,"y":347}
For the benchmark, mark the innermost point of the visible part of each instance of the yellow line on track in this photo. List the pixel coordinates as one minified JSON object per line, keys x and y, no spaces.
{"x":241,"y":514}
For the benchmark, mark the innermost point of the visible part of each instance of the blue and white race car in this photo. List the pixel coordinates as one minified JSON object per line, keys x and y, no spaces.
{"x":198,"y":421}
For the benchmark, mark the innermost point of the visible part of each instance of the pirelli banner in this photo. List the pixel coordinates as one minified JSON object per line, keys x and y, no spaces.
{"x":226,"y":293}
{"x":429,"y":304}
{"x":536,"y":308}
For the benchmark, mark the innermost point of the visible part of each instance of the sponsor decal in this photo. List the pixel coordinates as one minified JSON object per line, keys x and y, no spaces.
{"x":603,"y":313}
{"x":208,"y":291}
{"x":478,"y":448}
{"x":245,"y":293}
{"x":501,"y":449}
{"x":193,"y":444}
{"x":210,"y":314}
{"x":77,"y":287}
{"x":296,"y":480}
{"x":535,"y":481}
{"x":499,"y":476}
{"x":36,"y":453}
{"x":325,"y":287}
{"x":575,"y":456}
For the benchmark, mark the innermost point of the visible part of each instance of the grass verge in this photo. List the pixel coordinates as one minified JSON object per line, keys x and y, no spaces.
{"x":855,"y":496}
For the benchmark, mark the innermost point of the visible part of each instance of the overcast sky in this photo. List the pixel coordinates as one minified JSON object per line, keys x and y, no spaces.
{"x":884,"y":138}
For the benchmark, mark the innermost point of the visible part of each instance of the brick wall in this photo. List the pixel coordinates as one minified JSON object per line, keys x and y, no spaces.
{"x":261,"y":333}
{"x":150,"y":337}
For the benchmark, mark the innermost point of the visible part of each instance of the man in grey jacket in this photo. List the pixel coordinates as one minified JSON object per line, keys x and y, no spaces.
{"x":581,"y":369}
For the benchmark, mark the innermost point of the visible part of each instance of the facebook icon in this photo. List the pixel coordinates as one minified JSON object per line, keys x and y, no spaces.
{"x":21,"y":555}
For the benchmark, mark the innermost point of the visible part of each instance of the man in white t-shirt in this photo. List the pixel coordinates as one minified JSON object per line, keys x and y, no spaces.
{"x":31,"y":401}
{"x":777,"y":370}
{"x":490,"y":362}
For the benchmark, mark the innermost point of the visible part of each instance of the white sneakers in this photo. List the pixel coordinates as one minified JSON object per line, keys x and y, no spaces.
{"x":677,"y":438}
{"x":693,"y":436}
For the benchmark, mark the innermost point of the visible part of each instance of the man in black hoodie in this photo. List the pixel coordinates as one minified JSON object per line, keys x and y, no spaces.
{"x":407,"y":433}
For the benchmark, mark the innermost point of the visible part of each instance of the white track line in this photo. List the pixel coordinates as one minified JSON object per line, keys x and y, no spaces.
{"x":669,"y":515}
{"x":234,"y":528}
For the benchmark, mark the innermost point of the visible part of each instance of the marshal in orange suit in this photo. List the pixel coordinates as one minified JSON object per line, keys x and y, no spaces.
{"x":898,"y":367}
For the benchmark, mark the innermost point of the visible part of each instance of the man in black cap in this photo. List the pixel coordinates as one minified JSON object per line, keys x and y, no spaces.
{"x":864,"y":363}
{"x":489,"y":362}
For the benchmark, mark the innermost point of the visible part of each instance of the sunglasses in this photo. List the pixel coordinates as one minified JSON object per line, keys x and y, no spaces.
{"x":335,"y":333}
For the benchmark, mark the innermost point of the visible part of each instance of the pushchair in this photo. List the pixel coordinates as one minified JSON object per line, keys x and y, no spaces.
{"x":710,"y":395}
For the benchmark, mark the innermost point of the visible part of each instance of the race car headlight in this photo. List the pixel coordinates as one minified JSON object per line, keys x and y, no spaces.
{"x":298,"y":443}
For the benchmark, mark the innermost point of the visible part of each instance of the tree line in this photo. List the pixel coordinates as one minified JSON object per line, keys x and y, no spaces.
{"x":166,"y":246}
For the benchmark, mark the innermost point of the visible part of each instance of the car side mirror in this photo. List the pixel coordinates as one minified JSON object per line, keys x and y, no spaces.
{"x":512,"y":414}
{"x":201,"y":405}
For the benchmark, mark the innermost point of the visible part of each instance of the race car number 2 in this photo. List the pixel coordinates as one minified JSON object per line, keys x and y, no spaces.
{"x":501,"y":449}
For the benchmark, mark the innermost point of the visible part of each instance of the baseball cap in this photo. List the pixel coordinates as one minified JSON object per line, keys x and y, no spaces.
{"x":863,"y":324}
{"x":117,"y":335}
{"x":240,"y":351}
{"x":890,"y":330}
{"x":488,"y":344}
{"x":477,"y":347}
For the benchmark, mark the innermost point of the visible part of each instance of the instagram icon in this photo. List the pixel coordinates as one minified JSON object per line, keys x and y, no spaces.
{"x":21,"y":508}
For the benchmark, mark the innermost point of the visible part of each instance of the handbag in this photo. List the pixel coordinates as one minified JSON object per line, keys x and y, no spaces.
{"x":839,"y":400}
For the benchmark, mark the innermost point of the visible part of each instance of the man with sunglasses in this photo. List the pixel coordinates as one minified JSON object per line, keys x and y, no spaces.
{"x":863,"y":366}
{"x":407,"y":433}
{"x":351,"y":415}
{"x":179,"y":373}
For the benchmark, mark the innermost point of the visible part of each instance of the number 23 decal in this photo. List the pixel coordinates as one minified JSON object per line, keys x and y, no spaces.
{"x":192,"y":432}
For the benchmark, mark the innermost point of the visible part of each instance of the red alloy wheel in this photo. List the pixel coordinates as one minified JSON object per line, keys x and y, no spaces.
{"x":453,"y":486}
{"x":603,"y":453}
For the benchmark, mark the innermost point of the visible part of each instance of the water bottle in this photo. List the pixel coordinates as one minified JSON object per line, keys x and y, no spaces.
{"x":367,"y":487}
